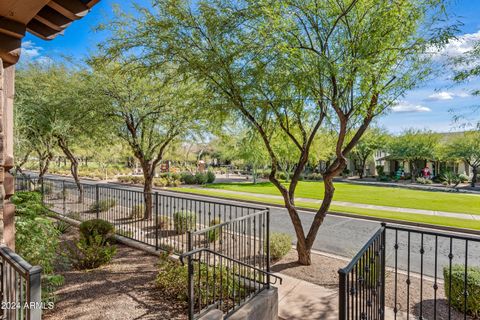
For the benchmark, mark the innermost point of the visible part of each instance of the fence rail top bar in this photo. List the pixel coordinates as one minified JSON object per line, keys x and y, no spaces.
{"x":161,"y":193}
{"x":360,"y":253}
{"x":251,"y":215}
{"x":17,"y":262}
{"x":200,"y":250}
{"x":453,"y":235}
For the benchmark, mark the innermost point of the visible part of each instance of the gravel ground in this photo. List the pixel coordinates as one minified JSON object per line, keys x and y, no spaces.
{"x":124,"y":289}
{"x":323,"y":272}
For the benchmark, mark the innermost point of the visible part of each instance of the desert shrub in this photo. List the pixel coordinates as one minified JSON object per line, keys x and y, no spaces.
{"x":96,"y":227}
{"x":28,"y":203}
{"x":210,"y":176}
{"x":160,"y":182}
{"x":172,"y":280}
{"x":74,"y":215}
{"x":201,"y":178}
{"x":36,"y":240}
{"x":451,"y":178}
{"x":214,"y":234}
{"x":456,"y":294}
{"x":424,"y":180}
{"x":383,"y":178}
{"x":380,"y":170}
{"x":131,"y":179}
{"x":280,"y":245}
{"x":314,"y":176}
{"x":137,"y":212}
{"x":90,"y":252}
{"x":184,"y":221}
{"x":62,"y":226}
{"x":187,"y":178}
{"x":103,"y":205}
{"x":283,"y":176}
{"x":164,"y":222}
{"x":463,"y":178}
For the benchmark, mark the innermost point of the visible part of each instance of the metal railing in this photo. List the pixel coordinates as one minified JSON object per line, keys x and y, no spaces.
{"x":20,"y":287}
{"x":217,"y":281}
{"x":166,"y":227}
{"x":424,"y":273}
{"x":362,"y":282}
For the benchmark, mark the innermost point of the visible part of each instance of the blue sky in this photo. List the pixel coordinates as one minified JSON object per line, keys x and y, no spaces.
{"x":428,"y":107}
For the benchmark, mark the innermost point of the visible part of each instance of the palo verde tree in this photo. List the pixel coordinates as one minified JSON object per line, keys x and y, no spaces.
{"x":291,"y":66}
{"x":413,"y":146}
{"x":58,"y":97}
{"x":373,"y":140}
{"x":466,"y":148}
{"x":147,"y":110}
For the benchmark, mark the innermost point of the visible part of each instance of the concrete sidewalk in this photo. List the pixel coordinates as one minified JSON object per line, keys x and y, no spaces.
{"x":302,"y":300}
{"x":459,"y":215}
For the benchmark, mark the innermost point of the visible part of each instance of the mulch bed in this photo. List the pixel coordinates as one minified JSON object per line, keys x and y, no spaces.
{"x":124,"y":289}
{"x":324,"y":272}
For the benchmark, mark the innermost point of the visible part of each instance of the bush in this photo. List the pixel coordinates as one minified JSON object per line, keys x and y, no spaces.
{"x":102,"y":205}
{"x":210,"y":176}
{"x":463,"y":178}
{"x":456,"y":294}
{"x":172,"y":280}
{"x":90,"y":252}
{"x":164,"y":222}
{"x":131,"y":179}
{"x":451,"y":178}
{"x":214,"y":234}
{"x":280,"y":245}
{"x":383,"y":178}
{"x":184,"y":221}
{"x":201,"y":178}
{"x":29,"y":203}
{"x":314,"y":176}
{"x":380,"y":170}
{"x":187,"y":178}
{"x":137,"y":212}
{"x":96,"y":227}
{"x":424,"y":181}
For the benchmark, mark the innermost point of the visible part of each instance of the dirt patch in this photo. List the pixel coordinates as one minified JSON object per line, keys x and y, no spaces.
{"x":123,"y":289}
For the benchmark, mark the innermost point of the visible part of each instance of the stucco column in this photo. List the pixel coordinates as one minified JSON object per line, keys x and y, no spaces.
{"x":7,"y":186}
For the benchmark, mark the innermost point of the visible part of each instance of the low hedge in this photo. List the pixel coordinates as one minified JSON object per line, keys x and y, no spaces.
{"x":280,"y":245}
{"x":456,"y":294}
{"x":94,"y":227}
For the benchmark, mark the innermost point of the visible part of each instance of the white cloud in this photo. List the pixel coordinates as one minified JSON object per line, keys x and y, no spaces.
{"x":404,"y":107}
{"x":30,"y":51}
{"x":456,"y":46}
{"x":444,"y":95}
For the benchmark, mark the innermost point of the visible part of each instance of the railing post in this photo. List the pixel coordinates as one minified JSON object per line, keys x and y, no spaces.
{"x":268,"y":247}
{"x":34,"y":294}
{"x":383,"y":261}
{"x":191,"y":293}
{"x":42,"y":190}
{"x":63,"y":195}
{"x":342,"y":295}
{"x":97,"y":200}
{"x":156,"y":220}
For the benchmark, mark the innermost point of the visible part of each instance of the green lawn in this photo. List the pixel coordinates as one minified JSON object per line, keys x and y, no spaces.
{"x":376,"y":195}
{"x":427,"y":219}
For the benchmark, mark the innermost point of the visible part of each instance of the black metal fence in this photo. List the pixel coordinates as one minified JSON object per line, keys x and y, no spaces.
{"x":227,"y":245}
{"x":20,"y":288}
{"x":169,"y":220}
{"x":416,"y":273}
{"x":218,"y":281}
{"x":362,"y":282}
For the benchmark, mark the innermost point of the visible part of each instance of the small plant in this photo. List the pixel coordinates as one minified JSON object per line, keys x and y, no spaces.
{"x":90,"y":252}
{"x":214,"y":234}
{"x":210,"y":176}
{"x":280,"y":245}
{"x":102,"y":205}
{"x":424,"y":180}
{"x":74,"y":215}
{"x":187,"y":178}
{"x":456,"y":294}
{"x":97,"y":227}
{"x":137,"y":212}
{"x":164,"y":222}
{"x":62,"y":226}
{"x":166,"y":247}
{"x":451,"y":178}
{"x":184,"y":221}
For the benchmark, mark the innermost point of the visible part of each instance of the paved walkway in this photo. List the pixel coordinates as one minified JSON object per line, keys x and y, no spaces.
{"x":302,"y":300}
{"x":356,"y":205}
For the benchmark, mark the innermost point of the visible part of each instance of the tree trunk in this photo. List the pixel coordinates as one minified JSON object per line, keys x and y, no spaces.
{"x":73,"y":166}
{"x":148,"y":174}
{"x":474,"y":176}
